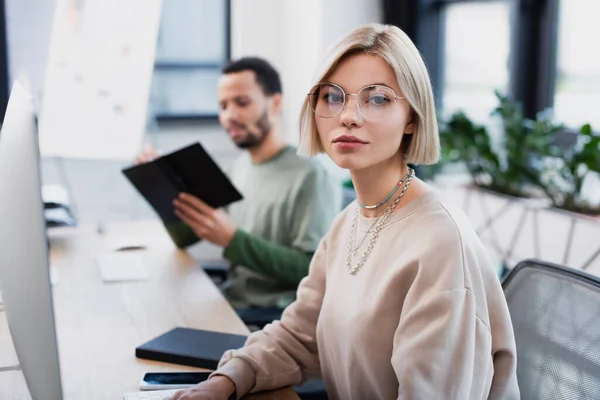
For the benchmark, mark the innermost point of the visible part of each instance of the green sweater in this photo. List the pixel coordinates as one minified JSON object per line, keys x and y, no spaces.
{"x":285,"y":264}
{"x":289,"y":203}
{"x":282,"y":263}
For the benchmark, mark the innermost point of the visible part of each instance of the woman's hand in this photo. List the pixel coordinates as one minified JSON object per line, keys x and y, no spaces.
{"x":218,"y":387}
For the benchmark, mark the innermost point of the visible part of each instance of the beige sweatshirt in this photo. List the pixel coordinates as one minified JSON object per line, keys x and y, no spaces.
{"x":425,"y":317}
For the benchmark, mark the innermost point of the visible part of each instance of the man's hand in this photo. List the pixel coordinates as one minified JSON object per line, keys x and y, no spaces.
{"x":216,"y":388}
{"x":147,"y":155}
{"x":208,"y":223}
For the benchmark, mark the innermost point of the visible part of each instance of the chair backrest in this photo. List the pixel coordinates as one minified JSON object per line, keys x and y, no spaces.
{"x":555,"y":312}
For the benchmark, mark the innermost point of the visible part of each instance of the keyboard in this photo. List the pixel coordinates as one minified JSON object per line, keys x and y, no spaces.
{"x":150,"y":395}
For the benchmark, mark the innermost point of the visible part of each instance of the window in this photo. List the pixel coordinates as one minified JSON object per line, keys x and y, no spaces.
{"x":192,"y":46}
{"x":577,"y":92}
{"x":476,"y":57}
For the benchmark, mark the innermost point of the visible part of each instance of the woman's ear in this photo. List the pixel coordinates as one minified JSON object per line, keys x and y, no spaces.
{"x":276,"y":103}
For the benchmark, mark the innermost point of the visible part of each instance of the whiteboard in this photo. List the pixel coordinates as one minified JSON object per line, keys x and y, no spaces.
{"x":98,"y":79}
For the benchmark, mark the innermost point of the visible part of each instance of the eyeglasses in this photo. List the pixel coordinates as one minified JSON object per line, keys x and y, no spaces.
{"x":374,"y":102}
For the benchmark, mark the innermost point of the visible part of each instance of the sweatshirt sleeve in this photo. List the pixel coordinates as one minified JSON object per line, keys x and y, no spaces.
{"x":442,"y":349}
{"x":454,"y":338}
{"x":285,"y":352}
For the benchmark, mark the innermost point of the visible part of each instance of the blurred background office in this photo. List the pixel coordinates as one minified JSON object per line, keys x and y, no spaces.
{"x":524,"y":73}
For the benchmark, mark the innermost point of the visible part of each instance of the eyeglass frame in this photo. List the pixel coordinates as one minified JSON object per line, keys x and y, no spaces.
{"x":353,"y":94}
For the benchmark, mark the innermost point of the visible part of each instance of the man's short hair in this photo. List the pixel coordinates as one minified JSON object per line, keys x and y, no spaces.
{"x":266,"y":76}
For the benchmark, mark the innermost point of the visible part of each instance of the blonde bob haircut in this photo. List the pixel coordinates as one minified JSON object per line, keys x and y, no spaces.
{"x":393,"y":46}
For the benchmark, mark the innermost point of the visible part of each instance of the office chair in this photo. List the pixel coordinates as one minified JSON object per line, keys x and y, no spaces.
{"x":217,"y":272}
{"x":257,"y":318}
{"x":254,"y":318}
{"x":311,"y":390}
{"x":555,"y":313}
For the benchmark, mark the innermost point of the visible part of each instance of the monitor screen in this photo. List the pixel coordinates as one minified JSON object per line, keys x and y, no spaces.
{"x":24,"y":267}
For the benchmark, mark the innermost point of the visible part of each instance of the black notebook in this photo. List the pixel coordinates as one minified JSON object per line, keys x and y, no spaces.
{"x":189,"y":170}
{"x":193,"y":347}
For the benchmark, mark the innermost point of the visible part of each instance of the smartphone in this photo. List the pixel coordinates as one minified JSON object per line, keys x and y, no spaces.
{"x":172,"y":380}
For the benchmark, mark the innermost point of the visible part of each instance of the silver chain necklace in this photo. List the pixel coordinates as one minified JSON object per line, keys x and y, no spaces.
{"x":357,"y":246}
{"x":375,"y":234}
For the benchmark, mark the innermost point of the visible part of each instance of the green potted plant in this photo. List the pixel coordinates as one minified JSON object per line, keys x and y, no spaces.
{"x":528,"y":162}
{"x":464,"y":141}
{"x":507,"y":169}
{"x":565,"y":172}
{"x":524,"y":143}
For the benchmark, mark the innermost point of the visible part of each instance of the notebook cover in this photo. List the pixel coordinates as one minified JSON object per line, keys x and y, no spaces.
{"x":181,"y":234}
{"x":193,"y":347}
{"x":190,"y":170}
{"x":202,"y":177}
{"x":156,"y":187}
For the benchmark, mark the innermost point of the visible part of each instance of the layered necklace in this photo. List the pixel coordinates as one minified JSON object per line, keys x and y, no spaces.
{"x":377,"y":225}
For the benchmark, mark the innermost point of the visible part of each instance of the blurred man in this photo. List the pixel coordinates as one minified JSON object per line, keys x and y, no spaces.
{"x":289,"y":201}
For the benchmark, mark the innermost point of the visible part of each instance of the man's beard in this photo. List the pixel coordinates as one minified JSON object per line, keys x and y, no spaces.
{"x":254,"y":139}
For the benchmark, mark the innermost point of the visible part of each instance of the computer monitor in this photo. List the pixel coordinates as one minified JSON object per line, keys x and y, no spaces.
{"x":24,"y":266}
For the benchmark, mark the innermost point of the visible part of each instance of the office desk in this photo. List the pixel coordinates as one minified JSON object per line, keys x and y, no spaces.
{"x":99,"y":324}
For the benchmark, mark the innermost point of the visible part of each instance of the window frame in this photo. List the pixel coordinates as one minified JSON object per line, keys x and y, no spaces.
{"x":187,"y":66}
{"x":533,"y":45}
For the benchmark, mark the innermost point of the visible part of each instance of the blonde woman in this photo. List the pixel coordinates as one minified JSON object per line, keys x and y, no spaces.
{"x":401,"y":300}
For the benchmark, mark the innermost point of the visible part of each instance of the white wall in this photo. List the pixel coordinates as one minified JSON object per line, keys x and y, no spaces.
{"x":28,"y":31}
{"x":302,"y":51}
{"x":253,"y":24}
{"x":341,"y":16}
{"x":294,"y":36}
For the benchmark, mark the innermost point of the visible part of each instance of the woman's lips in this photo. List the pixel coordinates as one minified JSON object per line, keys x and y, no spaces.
{"x":346,"y":142}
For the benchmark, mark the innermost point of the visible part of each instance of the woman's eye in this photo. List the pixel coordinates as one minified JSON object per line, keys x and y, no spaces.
{"x":332,"y":97}
{"x":378,"y":100}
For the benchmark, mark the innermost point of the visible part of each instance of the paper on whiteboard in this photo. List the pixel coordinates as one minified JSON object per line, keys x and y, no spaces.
{"x":98,"y":79}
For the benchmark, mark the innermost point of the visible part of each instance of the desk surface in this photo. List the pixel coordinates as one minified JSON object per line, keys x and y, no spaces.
{"x":99,"y":324}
